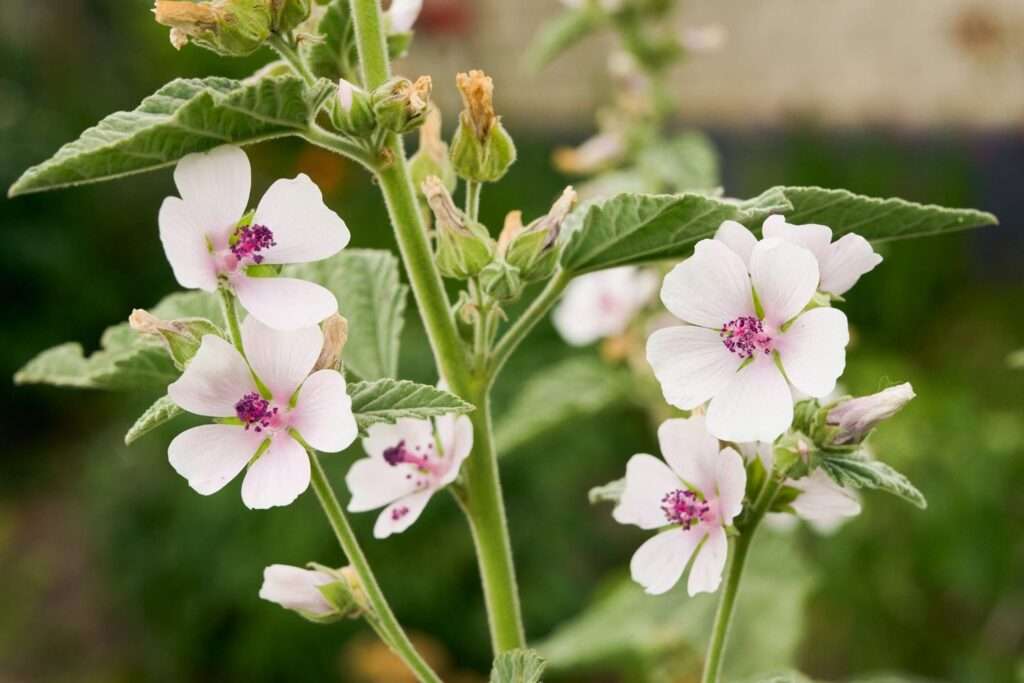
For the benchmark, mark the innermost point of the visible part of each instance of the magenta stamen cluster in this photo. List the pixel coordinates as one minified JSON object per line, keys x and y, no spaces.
{"x":251,"y":240}
{"x":745,"y":336}
{"x":255,"y":411}
{"x":399,"y":453}
{"x":684,"y":508}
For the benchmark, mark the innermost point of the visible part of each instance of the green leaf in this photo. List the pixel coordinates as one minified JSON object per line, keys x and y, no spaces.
{"x":163,"y":410}
{"x":637,"y":228}
{"x":1016,"y":359}
{"x":686,"y":163}
{"x":543,"y":404}
{"x":518,"y":666}
{"x":876,"y":219}
{"x":335,"y":55}
{"x":387,"y":400}
{"x":559,"y":34}
{"x":184,"y":116}
{"x":860,"y":472}
{"x":365,"y":282}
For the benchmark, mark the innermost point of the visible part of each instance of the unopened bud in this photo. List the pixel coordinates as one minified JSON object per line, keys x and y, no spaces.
{"x":854,"y":418}
{"x":335,"y":330}
{"x":289,"y":13}
{"x":181,"y":338}
{"x":431,"y":159}
{"x":482,"y":150}
{"x":401,"y":105}
{"x":232,"y":28}
{"x":534,"y":249}
{"x":501,"y":280}
{"x":319,"y":594}
{"x":351,"y":111}
{"x":463,"y":247}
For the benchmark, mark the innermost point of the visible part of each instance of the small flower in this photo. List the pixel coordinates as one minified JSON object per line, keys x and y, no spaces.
{"x":407,"y":465}
{"x":208,"y":244}
{"x":602,"y":304}
{"x":263,"y":428}
{"x":297,"y":589}
{"x":745,"y":356}
{"x":402,"y":15}
{"x":856,"y":417}
{"x":840,"y":263}
{"x":697,"y":494}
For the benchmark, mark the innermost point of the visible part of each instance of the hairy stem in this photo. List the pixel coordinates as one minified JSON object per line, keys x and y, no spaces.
{"x":289,"y":54}
{"x":473,"y":199}
{"x":386,"y":624}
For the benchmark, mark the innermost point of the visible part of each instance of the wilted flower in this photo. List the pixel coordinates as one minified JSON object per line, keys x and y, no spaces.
{"x":533,"y":248}
{"x":482,"y":150}
{"x":463,"y":246}
{"x":602,"y":304}
{"x":856,"y":417}
{"x":227,"y":27}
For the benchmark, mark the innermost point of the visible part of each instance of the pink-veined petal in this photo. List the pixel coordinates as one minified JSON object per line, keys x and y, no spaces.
{"x":215,"y":380}
{"x":296,"y":588}
{"x":215,"y":185}
{"x":690,"y":451}
{"x":731,"y":484}
{"x":813,"y":350}
{"x":691,"y":364}
{"x":278,"y":476}
{"x":304,"y":228}
{"x":281,"y":359}
{"x":710,"y":288}
{"x":209,"y":456}
{"x":185,"y":246}
{"x":708,"y":565}
{"x":456,"y":436}
{"x":756,"y":405}
{"x":736,"y":236}
{"x":374,"y":483}
{"x":413,"y":432}
{"x":648,"y":481}
{"x":785,"y":277}
{"x":400,"y":515}
{"x":323,"y":414}
{"x":848,"y":258}
{"x":658,"y":564}
{"x":285,"y":303}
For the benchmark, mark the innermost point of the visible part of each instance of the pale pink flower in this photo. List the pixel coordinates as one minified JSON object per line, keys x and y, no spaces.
{"x":822,"y":502}
{"x":297,"y":589}
{"x":207,"y":247}
{"x":408,"y":463}
{"x":602,"y":304}
{"x":746,"y":357}
{"x":697,"y":494}
{"x":402,"y":14}
{"x":219,"y":383}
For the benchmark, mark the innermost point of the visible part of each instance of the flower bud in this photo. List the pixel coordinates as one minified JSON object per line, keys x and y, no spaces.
{"x":501,"y":280}
{"x":463,"y":247}
{"x":400,"y":105}
{"x":482,"y":150}
{"x":335,"y":330}
{"x":534,"y":249}
{"x":431,"y":159}
{"x":232,"y":28}
{"x":854,"y":418}
{"x":289,"y":13}
{"x":319,"y":594}
{"x":181,"y":338}
{"x":351,"y":111}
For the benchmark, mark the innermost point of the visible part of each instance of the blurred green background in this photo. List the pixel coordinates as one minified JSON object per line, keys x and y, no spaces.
{"x":113,"y":570}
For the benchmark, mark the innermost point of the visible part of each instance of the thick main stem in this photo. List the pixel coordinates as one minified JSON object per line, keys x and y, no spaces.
{"x":388,"y":627}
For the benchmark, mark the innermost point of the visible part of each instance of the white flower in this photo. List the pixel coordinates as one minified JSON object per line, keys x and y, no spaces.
{"x":206,"y":246}
{"x":856,"y":417}
{"x":823,"y":502}
{"x":219,"y":383}
{"x":297,"y":589}
{"x":698,"y":494}
{"x":840,"y":263}
{"x":746,"y":357}
{"x":406,"y":466}
{"x":402,"y":15}
{"x":602,"y":304}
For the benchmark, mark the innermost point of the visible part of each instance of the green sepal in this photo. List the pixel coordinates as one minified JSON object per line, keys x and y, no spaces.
{"x":482,"y":161}
{"x":463,"y":251}
{"x":289,"y":13}
{"x":501,"y":280}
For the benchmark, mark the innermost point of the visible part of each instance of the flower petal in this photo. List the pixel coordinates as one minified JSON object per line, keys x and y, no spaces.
{"x":323,"y":414}
{"x":216,"y":186}
{"x":602,"y":304}
{"x":731,"y":484}
{"x":278,"y":476}
{"x":456,"y":436}
{"x":374,"y":483}
{"x":847,"y":259}
{"x":785,"y":278}
{"x":399,"y":516}
{"x":648,"y":481}
{"x":658,"y":564}
{"x":285,"y":303}
{"x":812,"y":237}
{"x":736,"y":236}
{"x":296,"y":588}
{"x":281,"y":359}
{"x":214,"y":380}
{"x":691,"y":364}
{"x":304,"y":228}
{"x":756,"y":405}
{"x":210,"y":456}
{"x":708,"y":565}
{"x":690,"y":451}
{"x":710,"y":288}
{"x":823,"y":502}
{"x":402,"y":15}
{"x":185,"y":246}
{"x":381,"y":436}
{"x":813,"y":350}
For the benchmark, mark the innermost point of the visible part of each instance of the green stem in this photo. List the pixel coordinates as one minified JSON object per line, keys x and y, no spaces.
{"x":733,"y":573}
{"x":473,"y":199}
{"x":336,"y":143}
{"x":228,"y":308}
{"x":390,"y":630}
{"x":288,"y":52}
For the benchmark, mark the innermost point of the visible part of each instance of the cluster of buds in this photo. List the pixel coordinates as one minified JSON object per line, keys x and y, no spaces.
{"x":401,"y":105}
{"x":181,"y":338}
{"x":232,"y":28}
{"x":482,"y":150}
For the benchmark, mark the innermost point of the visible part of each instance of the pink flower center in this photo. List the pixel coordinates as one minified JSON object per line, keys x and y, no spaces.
{"x":745,"y":336}
{"x":252,"y":240}
{"x":428,"y":466}
{"x":684,"y":508}
{"x":256,"y":412}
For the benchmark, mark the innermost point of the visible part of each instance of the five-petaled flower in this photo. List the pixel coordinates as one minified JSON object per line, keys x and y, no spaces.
{"x":749,"y":338}
{"x":210,"y":241}
{"x":408,"y":462}
{"x":266,"y":406}
{"x":697,"y":495}
{"x":602,"y":304}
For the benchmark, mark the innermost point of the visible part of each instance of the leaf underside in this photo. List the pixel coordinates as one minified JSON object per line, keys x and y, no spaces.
{"x":388,"y":400}
{"x":860,"y":472}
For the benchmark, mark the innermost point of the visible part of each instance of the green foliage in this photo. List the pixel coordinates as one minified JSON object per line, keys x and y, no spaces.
{"x":185,"y":116}
{"x":388,"y":400}
{"x":607,"y":493}
{"x":860,"y":472}
{"x":163,"y":410}
{"x":518,"y":666}
{"x":335,"y":56}
{"x":365,"y":282}
{"x":686,"y":163}
{"x":562,"y":32}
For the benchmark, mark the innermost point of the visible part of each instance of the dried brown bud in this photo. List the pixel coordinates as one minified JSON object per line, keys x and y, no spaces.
{"x":477,"y":90}
{"x":335,"y":335}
